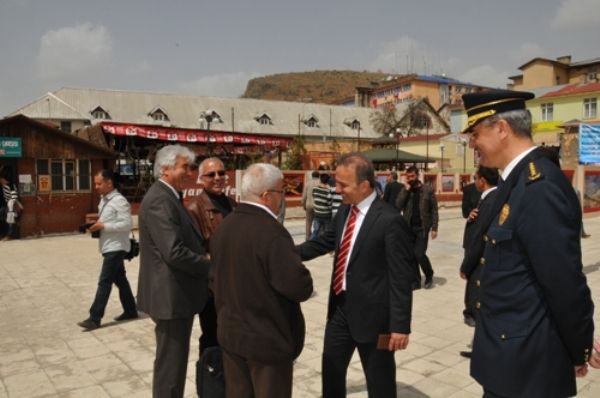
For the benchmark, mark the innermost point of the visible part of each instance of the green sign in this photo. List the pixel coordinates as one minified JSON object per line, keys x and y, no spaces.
{"x":10,"y":147}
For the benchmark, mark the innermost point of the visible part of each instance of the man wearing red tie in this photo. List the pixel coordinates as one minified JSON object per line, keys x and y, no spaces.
{"x":370,"y":294}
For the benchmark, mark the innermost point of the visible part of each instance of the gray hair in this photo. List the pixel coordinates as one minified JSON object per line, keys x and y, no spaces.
{"x":519,"y":121}
{"x":167,"y":156}
{"x":259,"y":178}
{"x":207,"y":161}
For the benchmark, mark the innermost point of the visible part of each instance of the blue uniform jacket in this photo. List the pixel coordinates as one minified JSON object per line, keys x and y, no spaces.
{"x":535,"y":314}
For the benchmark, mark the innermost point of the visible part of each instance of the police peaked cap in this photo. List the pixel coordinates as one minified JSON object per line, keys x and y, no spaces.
{"x":484,"y":104}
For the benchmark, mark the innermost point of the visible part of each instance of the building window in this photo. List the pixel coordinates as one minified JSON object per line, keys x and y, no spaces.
{"x":65,"y":126}
{"x":312,"y":121}
{"x":100,"y":113}
{"x":590,"y":108}
{"x":264,"y":119}
{"x":547,"y":112}
{"x":422,"y":121}
{"x":66,"y":175}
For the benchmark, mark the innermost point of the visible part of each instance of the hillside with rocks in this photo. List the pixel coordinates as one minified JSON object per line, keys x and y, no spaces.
{"x":326,"y":87}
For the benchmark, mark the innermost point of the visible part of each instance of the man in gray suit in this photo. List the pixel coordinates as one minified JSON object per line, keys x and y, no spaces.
{"x":172,"y":284}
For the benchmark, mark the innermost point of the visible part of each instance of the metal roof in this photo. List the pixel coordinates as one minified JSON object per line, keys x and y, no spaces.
{"x":236,"y":114}
{"x":392,"y":155}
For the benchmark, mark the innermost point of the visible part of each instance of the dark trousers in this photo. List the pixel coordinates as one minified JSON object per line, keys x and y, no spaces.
{"x":320,"y":224}
{"x":113,"y":271}
{"x":249,"y":379}
{"x":208,"y":324}
{"x":172,"y":351}
{"x":208,"y":338}
{"x":310,"y":215}
{"x":379,"y":366}
{"x":421,"y":237}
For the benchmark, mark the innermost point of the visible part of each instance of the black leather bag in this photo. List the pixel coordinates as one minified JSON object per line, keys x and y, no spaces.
{"x":134,"y":249}
{"x":210,"y":379}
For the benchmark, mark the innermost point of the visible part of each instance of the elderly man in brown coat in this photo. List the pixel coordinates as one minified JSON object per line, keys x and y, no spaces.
{"x":259,"y":282}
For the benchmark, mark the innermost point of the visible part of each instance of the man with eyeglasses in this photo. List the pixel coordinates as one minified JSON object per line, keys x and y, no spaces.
{"x":208,"y":209}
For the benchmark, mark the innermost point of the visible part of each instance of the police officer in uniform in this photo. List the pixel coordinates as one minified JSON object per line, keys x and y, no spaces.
{"x":534,"y":319}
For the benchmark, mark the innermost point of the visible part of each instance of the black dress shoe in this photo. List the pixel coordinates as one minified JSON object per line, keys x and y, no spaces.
{"x":125,"y":316}
{"x":89,"y":324}
{"x":428,"y":283}
{"x":469,"y":321}
{"x":466,"y":354}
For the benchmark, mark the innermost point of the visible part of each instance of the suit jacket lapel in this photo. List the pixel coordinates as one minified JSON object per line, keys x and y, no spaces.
{"x":185,"y":215}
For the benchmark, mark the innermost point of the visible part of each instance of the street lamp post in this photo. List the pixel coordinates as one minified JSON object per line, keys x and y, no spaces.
{"x":398,"y":136}
{"x":427,"y":148}
{"x":442,"y":147}
{"x":464,"y":145}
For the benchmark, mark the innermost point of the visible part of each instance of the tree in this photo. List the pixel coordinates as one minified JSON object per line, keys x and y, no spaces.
{"x":295,"y":154}
{"x":387,"y":120}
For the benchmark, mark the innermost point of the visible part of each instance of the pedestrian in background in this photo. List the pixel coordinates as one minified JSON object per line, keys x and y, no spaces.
{"x":322,"y":205}
{"x":307,"y":201}
{"x":418,"y":205}
{"x":113,"y":226}
{"x":392,"y":189}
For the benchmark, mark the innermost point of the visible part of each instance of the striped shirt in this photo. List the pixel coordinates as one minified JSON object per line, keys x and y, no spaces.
{"x":322,"y":202}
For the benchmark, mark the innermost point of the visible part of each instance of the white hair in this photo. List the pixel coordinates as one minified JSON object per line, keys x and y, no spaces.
{"x":167,"y":156}
{"x":206,"y":161}
{"x":259,"y":178}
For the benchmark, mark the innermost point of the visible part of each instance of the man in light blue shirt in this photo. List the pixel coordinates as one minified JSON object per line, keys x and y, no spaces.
{"x":114,"y":224}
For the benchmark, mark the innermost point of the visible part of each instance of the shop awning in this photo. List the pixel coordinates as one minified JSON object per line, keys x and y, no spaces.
{"x":393,"y":155}
{"x":193,"y":136}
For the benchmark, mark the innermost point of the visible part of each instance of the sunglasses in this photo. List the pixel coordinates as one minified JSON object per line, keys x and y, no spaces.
{"x":212,"y":174}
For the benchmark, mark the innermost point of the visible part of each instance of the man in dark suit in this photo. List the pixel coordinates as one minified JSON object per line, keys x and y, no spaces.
{"x":418,"y":205}
{"x":470,"y":198}
{"x":259,"y":282}
{"x":486,"y":179}
{"x":392,"y":189}
{"x":172,"y":284}
{"x":370,"y":293}
{"x":534,"y":324}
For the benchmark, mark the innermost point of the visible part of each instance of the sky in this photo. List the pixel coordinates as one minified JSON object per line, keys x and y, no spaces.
{"x":213,"y":48}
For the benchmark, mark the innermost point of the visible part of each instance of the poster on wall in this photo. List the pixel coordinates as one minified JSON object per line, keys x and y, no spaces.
{"x":591,"y":197}
{"x":44,"y":183}
{"x":589,"y":144}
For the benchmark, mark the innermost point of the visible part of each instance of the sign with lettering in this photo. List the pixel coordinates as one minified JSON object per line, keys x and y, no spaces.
{"x":10,"y":147}
{"x":589,"y":144}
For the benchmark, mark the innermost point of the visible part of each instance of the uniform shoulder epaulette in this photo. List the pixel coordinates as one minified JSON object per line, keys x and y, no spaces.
{"x":534,"y":174}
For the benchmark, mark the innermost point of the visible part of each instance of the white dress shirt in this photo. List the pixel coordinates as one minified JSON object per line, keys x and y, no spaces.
{"x":115,"y":214}
{"x":363,"y":208}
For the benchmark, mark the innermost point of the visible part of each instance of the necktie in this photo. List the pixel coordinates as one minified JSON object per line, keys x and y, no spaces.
{"x":344,"y":252}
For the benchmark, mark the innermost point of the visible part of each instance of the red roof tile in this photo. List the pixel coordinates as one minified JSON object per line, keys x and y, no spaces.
{"x":573,"y":89}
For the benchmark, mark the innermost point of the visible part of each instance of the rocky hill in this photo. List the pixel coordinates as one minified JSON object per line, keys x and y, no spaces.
{"x":319,"y":86}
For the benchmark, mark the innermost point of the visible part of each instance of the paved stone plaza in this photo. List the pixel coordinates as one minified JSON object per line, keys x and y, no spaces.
{"x":47,"y":285}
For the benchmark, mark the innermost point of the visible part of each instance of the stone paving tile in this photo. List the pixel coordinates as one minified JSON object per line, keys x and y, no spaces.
{"x":86,"y":392}
{"x":32,"y":384}
{"x":43,"y":294}
{"x":69,"y":376}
